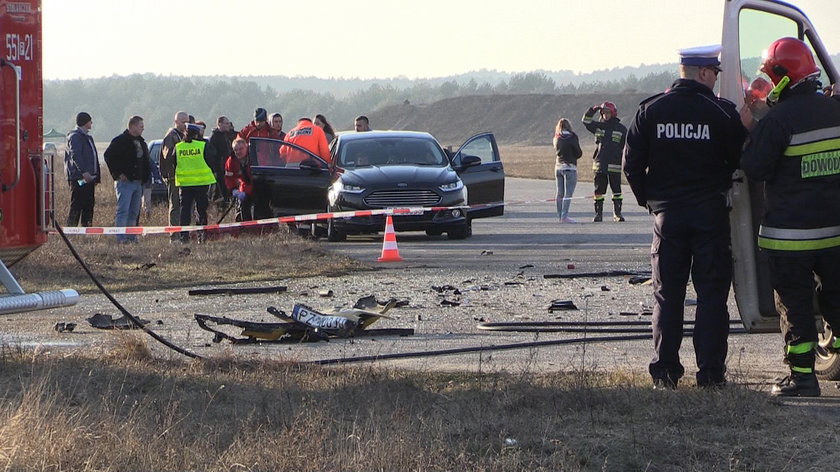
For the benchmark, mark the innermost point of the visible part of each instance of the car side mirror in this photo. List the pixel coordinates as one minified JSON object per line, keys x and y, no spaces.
{"x":470,"y":161}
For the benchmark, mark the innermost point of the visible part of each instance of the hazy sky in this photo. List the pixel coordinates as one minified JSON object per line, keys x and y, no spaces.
{"x":379,"y":38}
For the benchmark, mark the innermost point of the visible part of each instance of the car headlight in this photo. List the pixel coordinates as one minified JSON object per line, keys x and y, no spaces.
{"x":338,"y":187}
{"x":452,"y":186}
{"x":352,"y":189}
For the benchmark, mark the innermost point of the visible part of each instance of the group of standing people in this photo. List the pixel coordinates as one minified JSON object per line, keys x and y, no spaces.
{"x":682,"y":149}
{"x":610,"y":136}
{"x":195,"y":170}
{"x":679,"y":156}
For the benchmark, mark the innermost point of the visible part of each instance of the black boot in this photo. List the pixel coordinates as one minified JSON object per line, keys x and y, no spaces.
{"x":797,"y":385}
{"x":599,"y":211}
{"x":617,"y":211}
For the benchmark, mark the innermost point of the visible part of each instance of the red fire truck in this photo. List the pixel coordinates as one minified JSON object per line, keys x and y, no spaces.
{"x":25,"y":169}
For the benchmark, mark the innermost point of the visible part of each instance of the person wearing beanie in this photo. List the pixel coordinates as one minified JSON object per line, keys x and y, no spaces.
{"x":259,"y":128}
{"x":81,"y":167}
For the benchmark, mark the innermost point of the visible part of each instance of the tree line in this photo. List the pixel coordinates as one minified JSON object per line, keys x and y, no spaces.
{"x":113,"y":100}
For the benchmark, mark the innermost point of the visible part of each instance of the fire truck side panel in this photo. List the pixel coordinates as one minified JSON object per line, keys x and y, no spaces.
{"x":21,"y":202}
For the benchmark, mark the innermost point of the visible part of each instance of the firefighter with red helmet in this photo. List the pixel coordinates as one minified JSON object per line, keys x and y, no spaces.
{"x":795,"y":151}
{"x":682,"y":148}
{"x":610,"y":136}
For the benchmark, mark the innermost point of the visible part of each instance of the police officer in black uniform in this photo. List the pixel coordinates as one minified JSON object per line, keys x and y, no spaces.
{"x":794,"y":149}
{"x":682,"y":148}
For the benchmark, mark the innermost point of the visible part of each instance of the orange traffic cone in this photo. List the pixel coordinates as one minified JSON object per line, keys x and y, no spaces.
{"x":390,"y":253}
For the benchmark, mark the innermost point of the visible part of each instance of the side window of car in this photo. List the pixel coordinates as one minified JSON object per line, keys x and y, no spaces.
{"x":480,"y":147}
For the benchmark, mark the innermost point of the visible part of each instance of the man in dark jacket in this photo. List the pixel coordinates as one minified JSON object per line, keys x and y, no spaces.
{"x":794,"y":150}
{"x":610,"y":136}
{"x":682,"y":148}
{"x":174,"y":135}
{"x":222,"y":141}
{"x":129,"y":164}
{"x":81,"y":167}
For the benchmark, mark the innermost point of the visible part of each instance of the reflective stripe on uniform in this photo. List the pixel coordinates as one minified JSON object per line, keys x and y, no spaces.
{"x":617,"y":196}
{"x":802,"y":370}
{"x":800,"y":348}
{"x":614,"y":168}
{"x":786,"y":239}
{"x":836,"y":343}
{"x":819,"y":150}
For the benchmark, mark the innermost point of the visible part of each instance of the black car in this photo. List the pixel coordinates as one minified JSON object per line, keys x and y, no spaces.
{"x":381,"y":169}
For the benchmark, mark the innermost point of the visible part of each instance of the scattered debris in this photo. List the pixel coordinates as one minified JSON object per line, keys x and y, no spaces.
{"x":306,"y":324}
{"x":326,"y":293}
{"x":446,"y":288}
{"x":479,"y":319}
{"x":446,"y":302}
{"x":237,"y":291}
{"x":570,"y":266}
{"x":640,"y":280}
{"x":558,"y":305}
{"x":145,"y":266}
{"x":526,"y":266}
{"x":65,"y":327}
{"x":486,"y":253}
{"x":513,"y":283}
{"x":604,"y":288}
{"x":103,"y":321}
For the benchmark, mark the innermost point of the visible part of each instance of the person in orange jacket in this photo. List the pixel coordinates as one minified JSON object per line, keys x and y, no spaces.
{"x":309,"y":137}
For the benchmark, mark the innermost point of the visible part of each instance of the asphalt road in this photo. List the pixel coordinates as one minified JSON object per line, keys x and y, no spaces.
{"x":529,"y":232}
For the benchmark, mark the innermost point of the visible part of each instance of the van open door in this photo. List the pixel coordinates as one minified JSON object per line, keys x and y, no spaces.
{"x":749,"y":26}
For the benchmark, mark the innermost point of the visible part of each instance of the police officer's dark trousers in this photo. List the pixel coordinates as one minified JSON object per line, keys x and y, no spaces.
{"x":692,"y":240}
{"x":188,"y":196}
{"x":792,"y":277}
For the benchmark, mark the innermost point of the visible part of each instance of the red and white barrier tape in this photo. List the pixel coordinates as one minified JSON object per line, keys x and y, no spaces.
{"x":120,"y":230}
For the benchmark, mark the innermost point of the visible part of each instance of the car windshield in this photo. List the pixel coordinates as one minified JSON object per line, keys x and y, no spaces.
{"x":391,"y":152}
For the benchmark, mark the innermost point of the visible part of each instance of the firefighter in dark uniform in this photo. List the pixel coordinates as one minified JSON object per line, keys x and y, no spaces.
{"x":795,"y":151}
{"x":682,"y":148}
{"x":610,"y":136}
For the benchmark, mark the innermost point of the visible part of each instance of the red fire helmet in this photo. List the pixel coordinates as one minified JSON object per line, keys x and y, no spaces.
{"x":611,"y":107}
{"x":788,"y":57}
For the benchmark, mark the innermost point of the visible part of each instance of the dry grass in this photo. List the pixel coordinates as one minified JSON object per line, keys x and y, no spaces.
{"x":129,"y":412}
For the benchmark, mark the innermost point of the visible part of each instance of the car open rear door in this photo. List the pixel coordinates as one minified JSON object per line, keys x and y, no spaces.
{"x":485,"y":182}
{"x":749,"y":26}
{"x":288,"y":179}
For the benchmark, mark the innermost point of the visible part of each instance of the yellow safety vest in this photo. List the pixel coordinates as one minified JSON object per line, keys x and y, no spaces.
{"x":190,"y":168}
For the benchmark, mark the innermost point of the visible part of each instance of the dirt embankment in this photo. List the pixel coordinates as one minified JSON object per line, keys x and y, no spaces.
{"x":514,"y":119}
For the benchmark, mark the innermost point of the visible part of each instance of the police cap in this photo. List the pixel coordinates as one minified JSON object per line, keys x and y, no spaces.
{"x":701,"y":56}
